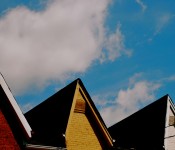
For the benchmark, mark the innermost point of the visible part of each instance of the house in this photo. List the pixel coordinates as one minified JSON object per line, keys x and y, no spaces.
{"x":14,"y":128}
{"x":151,"y":128}
{"x":68,"y":120}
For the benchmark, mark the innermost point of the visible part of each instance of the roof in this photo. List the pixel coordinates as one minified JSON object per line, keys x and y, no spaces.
{"x":12,"y":109}
{"x":50,"y":118}
{"x":144,"y":128}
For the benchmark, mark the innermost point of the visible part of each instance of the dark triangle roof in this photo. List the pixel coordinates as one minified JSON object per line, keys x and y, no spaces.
{"x":49,"y":119}
{"x":144,"y":129}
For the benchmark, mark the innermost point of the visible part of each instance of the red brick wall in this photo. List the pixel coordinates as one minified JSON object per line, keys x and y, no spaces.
{"x":7,"y":140}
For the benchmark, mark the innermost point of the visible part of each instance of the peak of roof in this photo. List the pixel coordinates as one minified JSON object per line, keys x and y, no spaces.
{"x":163,"y":100}
{"x":137,"y":128}
{"x":49,"y":119}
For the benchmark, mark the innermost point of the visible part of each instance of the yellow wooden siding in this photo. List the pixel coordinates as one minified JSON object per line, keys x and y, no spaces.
{"x":80,"y":134}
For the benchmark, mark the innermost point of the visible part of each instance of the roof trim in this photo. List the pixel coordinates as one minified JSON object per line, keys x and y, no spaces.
{"x":100,"y":123}
{"x":171,"y":102}
{"x":15,"y":106}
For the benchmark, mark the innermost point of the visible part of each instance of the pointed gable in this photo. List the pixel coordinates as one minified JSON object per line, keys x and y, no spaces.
{"x":86,"y":129}
{"x":14,"y":128}
{"x":68,"y":113}
{"x":144,"y":129}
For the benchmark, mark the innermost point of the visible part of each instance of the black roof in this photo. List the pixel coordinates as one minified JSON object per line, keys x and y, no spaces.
{"x":49,"y":119}
{"x":144,"y":129}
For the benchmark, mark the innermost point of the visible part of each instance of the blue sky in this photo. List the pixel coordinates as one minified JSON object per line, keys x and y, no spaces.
{"x":122,"y":50}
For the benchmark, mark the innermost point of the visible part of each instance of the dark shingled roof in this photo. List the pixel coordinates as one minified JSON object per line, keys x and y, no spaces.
{"x":49,"y":119}
{"x":143,"y":130}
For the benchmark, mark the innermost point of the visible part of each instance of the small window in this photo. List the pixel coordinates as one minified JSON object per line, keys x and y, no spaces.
{"x":80,"y":106}
{"x":172,"y":120}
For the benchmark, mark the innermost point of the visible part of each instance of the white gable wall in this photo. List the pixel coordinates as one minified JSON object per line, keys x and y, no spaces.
{"x":169,"y":129}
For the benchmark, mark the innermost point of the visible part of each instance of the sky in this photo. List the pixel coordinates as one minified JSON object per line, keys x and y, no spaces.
{"x":123,"y":51}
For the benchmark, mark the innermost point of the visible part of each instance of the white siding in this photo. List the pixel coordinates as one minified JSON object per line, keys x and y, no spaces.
{"x":169,"y":130}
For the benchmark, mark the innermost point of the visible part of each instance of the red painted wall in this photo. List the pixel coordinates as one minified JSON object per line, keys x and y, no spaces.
{"x":7,"y":139}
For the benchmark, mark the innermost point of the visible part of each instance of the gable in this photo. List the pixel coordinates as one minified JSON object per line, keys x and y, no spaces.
{"x":53,"y":119}
{"x":81,"y":133}
{"x":85,"y":128}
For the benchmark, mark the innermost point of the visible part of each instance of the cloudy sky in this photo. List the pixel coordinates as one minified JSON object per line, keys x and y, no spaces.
{"x":122,"y":50}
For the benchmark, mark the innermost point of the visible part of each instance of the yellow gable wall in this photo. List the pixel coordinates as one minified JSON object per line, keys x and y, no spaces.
{"x":80,"y":135}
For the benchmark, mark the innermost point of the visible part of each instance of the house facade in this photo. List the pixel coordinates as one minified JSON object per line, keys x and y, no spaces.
{"x":69,"y":120}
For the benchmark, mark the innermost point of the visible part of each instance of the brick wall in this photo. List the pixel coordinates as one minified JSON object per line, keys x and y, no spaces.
{"x":7,"y":140}
{"x":80,"y":134}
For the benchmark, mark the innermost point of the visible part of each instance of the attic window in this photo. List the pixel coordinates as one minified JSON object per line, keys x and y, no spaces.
{"x":80,"y":106}
{"x":172,"y":121}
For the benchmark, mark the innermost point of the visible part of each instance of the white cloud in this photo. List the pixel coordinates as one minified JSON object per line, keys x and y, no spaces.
{"x":115,"y":45}
{"x":26,"y":107}
{"x":162,"y":21}
{"x":129,"y":101}
{"x":171,"y":78}
{"x":37,"y":47}
{"x":104,"y":100}
{"x":135,"y":78}
{"x":168,"y":79}
{"x":143,"y":6}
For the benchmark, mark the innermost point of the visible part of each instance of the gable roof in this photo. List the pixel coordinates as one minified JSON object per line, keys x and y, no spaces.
{"x":12,"y":111}
{"x":49,"y":119}
{"x":144,"y":128}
